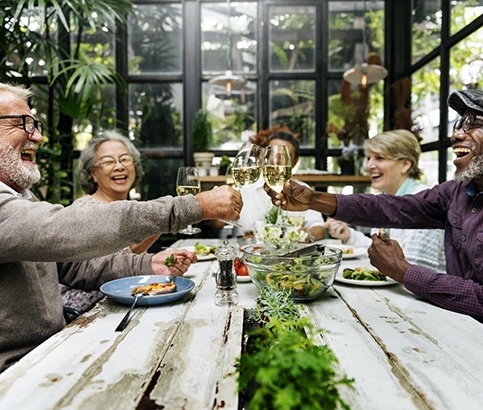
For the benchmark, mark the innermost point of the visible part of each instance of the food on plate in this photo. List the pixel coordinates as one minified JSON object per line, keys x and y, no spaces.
{"x":204,"y":250}
{"x":240,"y":267}
{"x":155,"y":289}
{"x":363,"y":273}
{"x":347,"y":251}
{"x":170,"y":261}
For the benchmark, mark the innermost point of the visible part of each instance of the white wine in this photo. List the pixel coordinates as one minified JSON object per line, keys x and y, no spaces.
{"x":276,"y":175}
{"x":186,"y":190}
{"x":296,"y":221}
{"x":245,"y":175}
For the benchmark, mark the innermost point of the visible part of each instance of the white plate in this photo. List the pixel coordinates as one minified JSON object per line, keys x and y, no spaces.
{"x":201,"y":258}
{"x":367,"y":283}
{"x":356,"y":252}
{"x":119,"y":290}
{"x":243,"y":279}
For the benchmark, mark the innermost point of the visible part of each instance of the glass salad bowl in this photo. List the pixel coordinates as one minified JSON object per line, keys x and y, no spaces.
{"x":305,"y":276}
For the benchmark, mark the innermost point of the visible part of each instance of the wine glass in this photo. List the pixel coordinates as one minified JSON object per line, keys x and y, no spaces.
{"x":245,"y":169}
{"x":247,"y":165}
{"x":188,"y":182}
{"x":277,"y":169}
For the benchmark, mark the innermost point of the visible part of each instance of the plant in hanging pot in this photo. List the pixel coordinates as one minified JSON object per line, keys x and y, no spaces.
{"x":202,"y":135}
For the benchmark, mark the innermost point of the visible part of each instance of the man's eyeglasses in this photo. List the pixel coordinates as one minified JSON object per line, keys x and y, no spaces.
{"x":29,"y":123}
{"x":468,"y":123}
{"x":109,"y":162}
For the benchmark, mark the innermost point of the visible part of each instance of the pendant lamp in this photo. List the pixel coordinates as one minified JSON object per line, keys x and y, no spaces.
{"x":228,"y":80}
{"x":369,"y":72}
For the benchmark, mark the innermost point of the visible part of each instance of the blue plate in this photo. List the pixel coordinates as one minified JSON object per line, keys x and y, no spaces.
{"x":119,"y":290}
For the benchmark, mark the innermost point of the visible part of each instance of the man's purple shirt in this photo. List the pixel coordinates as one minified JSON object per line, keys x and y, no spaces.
{"x":452,"y":206}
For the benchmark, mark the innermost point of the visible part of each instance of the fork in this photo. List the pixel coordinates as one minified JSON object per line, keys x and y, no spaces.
{"x":127,"y":317}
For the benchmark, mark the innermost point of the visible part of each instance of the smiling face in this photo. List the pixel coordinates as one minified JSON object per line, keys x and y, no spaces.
{"x":387,"y":174}
{"x":468,"y":148}
{"x":18,"y":168}
{"x":113,"y":181}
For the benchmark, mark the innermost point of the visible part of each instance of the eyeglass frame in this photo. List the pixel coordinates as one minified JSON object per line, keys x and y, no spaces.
{"x":461,"y":123}
{"x":122,"y":160}
{"x":37,"y":124}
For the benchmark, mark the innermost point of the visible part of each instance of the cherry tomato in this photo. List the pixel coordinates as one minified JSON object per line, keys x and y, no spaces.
{"x":240,"y":267}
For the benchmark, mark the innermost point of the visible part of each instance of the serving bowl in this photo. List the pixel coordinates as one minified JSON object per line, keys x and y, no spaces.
{"x":306,"y":277}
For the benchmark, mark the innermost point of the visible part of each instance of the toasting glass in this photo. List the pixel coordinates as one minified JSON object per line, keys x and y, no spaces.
{"x":188,"y":182}
{"x":277,"y":169}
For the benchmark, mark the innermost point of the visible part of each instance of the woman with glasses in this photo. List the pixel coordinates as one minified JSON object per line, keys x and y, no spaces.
{"x":392,"y":163}
{"x":108,"y":169}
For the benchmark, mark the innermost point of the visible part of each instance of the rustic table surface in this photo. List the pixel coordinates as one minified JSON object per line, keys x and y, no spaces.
{"x":402,"y":352}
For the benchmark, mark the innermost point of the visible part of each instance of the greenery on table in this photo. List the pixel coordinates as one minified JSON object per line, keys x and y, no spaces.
{"x":284,"y":367}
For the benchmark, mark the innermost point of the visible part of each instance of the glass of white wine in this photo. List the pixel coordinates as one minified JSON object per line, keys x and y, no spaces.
{"x":188,"y":182}
{"x":245,"y":169}
{"x":277,"y":169}
{"x":247,"y":165}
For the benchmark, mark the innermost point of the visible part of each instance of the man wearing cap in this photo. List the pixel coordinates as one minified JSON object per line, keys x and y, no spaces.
{"x":455,"y":206}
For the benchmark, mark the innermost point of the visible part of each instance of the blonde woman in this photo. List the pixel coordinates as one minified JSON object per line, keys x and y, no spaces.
{"x":392,"y":163}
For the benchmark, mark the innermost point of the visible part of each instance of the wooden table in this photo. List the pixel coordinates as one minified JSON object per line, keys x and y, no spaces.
{"x":402,"y":352}
{"x":314,"y":180}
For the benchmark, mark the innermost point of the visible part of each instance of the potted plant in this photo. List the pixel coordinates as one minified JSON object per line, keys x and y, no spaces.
{"x":201,"y":136}
{"x":224,"y":164}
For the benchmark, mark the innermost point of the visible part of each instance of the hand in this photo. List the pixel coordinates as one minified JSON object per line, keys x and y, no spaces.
{"x":183,"y":261}
{"x":338,"y":229}
{"x":294,"y":197}
{"x":387,"y":256}
{"x":222,"y":202}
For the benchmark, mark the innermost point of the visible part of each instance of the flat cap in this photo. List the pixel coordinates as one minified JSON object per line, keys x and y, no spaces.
{"x":460,"y":101}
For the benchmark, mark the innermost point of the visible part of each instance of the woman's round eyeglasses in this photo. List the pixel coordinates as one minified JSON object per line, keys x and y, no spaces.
{"x":109,"y":162}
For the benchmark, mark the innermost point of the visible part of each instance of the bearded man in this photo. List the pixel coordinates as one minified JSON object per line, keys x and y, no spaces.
{"x":455,"y":206}
{"x":42,"y":244}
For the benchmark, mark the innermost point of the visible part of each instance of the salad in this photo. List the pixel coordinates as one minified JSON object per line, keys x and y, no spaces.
{"x":363,"y":274}
{"x":204,"y":250}
{"x":304,"y":278}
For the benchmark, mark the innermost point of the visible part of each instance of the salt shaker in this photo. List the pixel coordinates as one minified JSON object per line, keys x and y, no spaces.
{"x":226,"y":293}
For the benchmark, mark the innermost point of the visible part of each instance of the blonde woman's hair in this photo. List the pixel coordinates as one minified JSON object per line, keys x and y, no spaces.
{"x":397,"y":145}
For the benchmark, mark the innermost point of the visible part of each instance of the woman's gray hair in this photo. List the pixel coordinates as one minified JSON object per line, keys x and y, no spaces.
{"x":88,"y":155}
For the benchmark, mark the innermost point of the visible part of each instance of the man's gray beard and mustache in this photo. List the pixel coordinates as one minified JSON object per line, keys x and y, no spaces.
{"x":12,"y":168}
{"x":474,"y":170}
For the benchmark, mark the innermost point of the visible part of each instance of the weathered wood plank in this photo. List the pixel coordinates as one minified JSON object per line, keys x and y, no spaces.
{"x":199,"y":378}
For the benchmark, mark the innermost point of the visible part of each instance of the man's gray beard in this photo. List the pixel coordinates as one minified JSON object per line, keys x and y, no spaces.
{"x":474,"y":170}
{"x":13,"y":169}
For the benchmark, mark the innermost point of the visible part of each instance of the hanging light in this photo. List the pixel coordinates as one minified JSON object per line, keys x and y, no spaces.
{"x":369,"y":72}
{"x":365,"y":74}
{"x":228,"y":79}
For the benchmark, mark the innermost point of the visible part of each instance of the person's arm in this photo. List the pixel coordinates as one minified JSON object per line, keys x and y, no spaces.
{"x":296,"y":197}
{"x":39,"y":231}
{"x":450,"y":292}
{"x":91,"y":274}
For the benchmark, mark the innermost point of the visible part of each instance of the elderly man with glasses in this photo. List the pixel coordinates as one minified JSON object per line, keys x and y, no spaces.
{"x":42,"y":244}
{"x":455,"y":206}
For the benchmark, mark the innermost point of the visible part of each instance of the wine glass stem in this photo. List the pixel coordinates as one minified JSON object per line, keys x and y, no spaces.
{"x":279,"y":213}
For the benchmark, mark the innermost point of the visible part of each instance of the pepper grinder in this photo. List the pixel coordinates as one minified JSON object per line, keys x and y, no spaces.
{"x":226,"y":293}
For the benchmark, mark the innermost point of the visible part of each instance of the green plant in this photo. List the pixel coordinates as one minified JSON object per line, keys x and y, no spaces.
{"x":202,"y":133}
{"x":284,"y":367}
{"x":225,"y":161}
{"x":43,"y":45}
